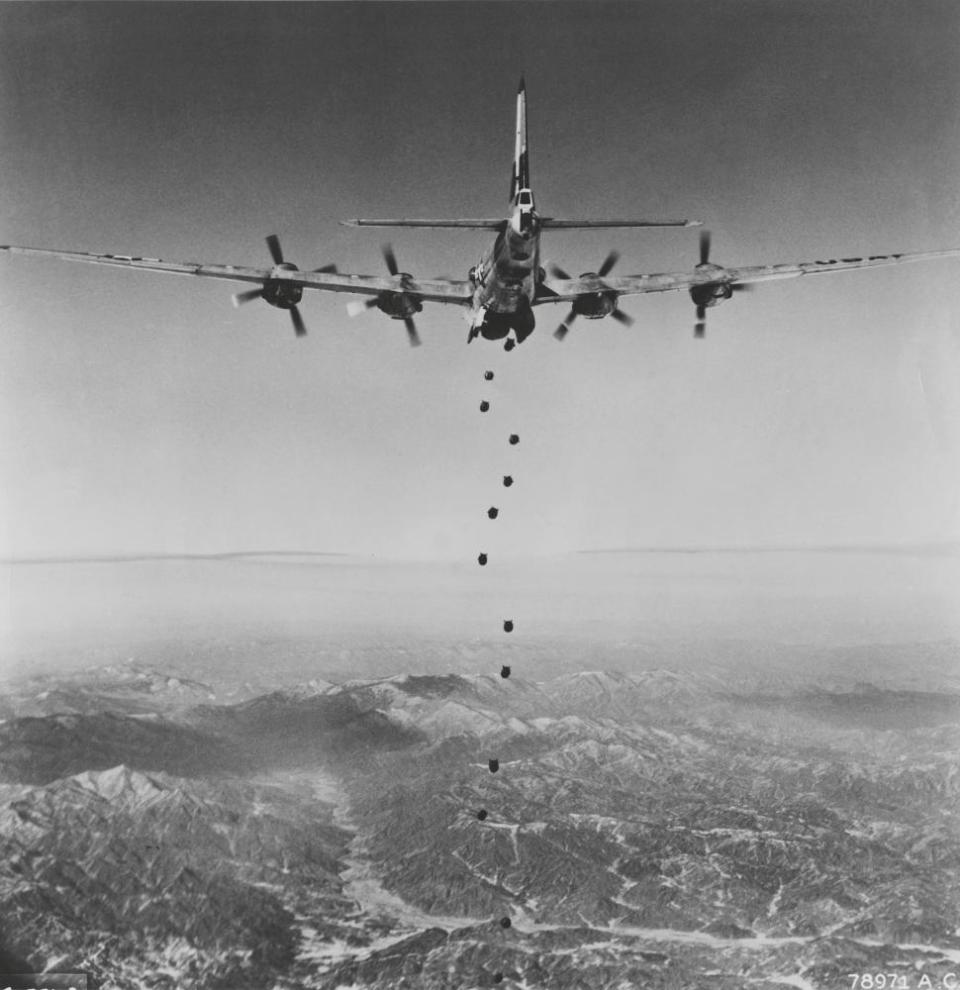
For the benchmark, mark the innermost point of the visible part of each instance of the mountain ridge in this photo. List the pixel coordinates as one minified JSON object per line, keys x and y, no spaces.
{"x":642,"y":829}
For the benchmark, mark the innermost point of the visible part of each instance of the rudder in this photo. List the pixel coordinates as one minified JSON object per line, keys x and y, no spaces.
{"x":520,"y":177}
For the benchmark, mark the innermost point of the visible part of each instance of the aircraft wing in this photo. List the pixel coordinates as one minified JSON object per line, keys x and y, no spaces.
{"x":566,"y":290}
{"x":500,"y":224}
{"x":431,"y":290}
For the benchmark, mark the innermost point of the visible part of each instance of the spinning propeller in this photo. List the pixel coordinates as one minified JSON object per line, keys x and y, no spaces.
{"x":279,"y":292}
{"x":396,"y":304}
{"x":603,"y":303}
{"x":710,"y":293}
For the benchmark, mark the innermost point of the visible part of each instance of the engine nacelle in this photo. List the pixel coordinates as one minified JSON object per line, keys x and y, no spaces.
{"x":710,"y":293}
{"x":399,"y":305}
{"x":595,"y":305}
{"x":279,"y":292}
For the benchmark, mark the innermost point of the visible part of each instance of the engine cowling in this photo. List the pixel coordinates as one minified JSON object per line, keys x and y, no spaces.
{"x":710,"y":293}
{"x":595,"y":305}
{"x":399,"y":305}
{"x":281,"y":293}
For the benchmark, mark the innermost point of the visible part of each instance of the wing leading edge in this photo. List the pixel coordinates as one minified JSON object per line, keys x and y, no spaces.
{"x":431,"y":290}
{"x":566,"y":290}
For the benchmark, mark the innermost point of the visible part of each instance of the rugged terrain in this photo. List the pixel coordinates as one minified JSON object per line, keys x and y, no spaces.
{"x":658,"y":829}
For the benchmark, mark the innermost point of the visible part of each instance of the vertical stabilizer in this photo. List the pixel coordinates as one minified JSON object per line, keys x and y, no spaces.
{"x":521,"y":169}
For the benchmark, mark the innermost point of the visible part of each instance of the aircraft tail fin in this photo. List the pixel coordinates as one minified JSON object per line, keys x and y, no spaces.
{"x":520,"y":178}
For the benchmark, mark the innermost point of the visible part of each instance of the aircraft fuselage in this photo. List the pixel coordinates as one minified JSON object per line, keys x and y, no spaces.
{"x":506,"y":278}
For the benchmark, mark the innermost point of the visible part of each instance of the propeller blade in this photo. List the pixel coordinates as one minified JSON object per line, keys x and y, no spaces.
{"x":412,"y":332}
{"x":704,"y":247}
{"x":557,"y":272}
{"x":390,"y":258}
{"x":357,"y":306}
{"x":625,"y":318}
{"x":742,"y":287}
{"x":240,"y":298}
{"x":298,"y":324}
{"x":273,"y":244}
{"x":564,"y":327}
{"x":331,"y":269}
{"x":608,"y":263}
{"x":700,"y":327}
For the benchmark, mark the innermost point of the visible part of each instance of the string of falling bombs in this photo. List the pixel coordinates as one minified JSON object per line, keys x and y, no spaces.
{"x":492,"y":513}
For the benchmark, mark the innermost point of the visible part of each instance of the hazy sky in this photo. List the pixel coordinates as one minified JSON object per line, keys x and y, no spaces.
{"x":142,"y":412}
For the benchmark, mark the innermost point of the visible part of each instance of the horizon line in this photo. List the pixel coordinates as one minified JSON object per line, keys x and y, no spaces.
{"x":944,"y":547}
{"x":125,"y":558}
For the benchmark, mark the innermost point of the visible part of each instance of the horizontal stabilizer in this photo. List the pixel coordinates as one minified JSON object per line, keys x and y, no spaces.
{"x":475,"y":224}
{"x":574,"y":224}
{"x":498,"y":223}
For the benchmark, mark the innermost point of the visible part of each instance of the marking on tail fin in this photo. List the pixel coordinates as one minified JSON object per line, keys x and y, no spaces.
{"x":520,"y":177}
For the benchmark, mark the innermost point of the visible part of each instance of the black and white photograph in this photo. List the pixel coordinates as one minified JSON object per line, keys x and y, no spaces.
{"x":480,"y":495}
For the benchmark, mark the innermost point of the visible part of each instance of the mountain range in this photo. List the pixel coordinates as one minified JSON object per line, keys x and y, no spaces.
{"x":661,"y":828}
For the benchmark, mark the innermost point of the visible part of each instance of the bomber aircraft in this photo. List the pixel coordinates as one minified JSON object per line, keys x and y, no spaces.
{"x":500,"y":292}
